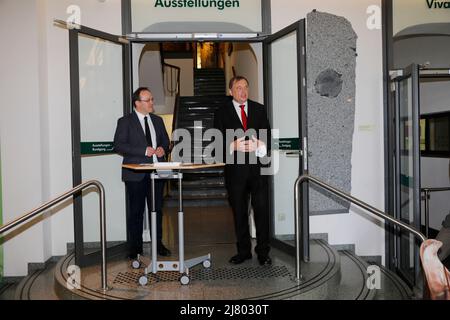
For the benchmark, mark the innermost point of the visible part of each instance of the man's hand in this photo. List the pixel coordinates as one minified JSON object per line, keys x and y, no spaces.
{"x":243,"y":145}
{"x":254,"y":144}
{"x":238,"y":145}
{"x":150,"y":152}
{"x":160,"y":152}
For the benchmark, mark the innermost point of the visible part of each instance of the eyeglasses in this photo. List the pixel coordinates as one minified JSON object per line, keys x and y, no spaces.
{"x":148,"y":100}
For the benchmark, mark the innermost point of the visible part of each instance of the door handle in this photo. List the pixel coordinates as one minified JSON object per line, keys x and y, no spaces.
{"x":294,"y":154}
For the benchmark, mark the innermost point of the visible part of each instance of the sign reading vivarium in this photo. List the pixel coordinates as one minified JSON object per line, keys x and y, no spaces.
{"x":433,"y":4}
{"x":196,"y":16}
{"x":220,"y":4}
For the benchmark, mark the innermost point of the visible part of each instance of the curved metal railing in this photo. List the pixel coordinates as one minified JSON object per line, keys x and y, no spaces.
{"x":427,"y":192}
{"x":24,"y":218}
{"x":299,"y":219}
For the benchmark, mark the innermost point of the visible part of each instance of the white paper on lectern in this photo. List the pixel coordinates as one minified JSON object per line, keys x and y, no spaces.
{"x":166,"y":164}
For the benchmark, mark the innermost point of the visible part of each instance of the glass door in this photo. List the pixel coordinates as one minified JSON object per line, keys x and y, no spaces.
{"x":285,"y":94}
{"x":407,"y":160}
{"x":100,"y":96}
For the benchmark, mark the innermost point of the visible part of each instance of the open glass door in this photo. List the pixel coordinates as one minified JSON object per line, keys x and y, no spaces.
{"x":407,"y":170}
{"x":285,"y":94}
{"x":99,"y":96}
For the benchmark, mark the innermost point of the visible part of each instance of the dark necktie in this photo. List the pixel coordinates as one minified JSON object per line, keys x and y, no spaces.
{"x":148,"y":135}
{"x":243,"y":117}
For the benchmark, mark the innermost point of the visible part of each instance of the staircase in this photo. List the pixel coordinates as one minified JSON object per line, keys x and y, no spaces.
{"x":209,"y":82}
{"x":203,"y":187}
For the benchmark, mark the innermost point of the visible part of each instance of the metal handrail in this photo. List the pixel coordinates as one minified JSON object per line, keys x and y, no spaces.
{"x":173,"y":89}
{"x":299,"y":219}
{"x":427,"y":192}
{"x":24,"y":218}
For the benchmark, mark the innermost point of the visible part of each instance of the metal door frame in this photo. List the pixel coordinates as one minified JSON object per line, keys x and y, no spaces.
{"x":412,"y":72}
{"x":81,"y":257}
{"x":300,"y":28}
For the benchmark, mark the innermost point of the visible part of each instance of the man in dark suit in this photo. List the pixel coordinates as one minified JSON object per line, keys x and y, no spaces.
{"x":245,"y":179}
{"x":142,"y":138}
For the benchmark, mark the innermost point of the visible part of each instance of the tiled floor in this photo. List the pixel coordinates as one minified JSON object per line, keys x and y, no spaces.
{"x":207,"y":231}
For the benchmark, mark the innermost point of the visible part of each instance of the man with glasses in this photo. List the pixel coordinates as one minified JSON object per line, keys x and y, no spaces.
{"x":141,"y":137}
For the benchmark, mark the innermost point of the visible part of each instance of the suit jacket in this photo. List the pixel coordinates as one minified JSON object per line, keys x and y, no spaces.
{"x":131,"y":143}
{"x":227,"y":118}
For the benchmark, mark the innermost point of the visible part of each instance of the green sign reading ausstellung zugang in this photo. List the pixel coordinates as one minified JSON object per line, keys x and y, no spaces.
{"x":90,"y":148}
{"x":219,"y":4}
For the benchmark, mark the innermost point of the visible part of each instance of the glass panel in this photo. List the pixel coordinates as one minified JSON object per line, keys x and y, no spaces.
{"x":407,"y":192}
{"x":284,"y":93}
{"x":439,"y":129}
{"x":101,"y":104}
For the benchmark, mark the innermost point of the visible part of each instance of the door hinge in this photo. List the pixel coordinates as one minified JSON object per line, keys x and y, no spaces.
{"x":395,"y":73}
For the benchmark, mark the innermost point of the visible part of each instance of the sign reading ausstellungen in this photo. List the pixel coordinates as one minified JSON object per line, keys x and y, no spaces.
{"x":218,"y":4}
{"x":196,"y":16}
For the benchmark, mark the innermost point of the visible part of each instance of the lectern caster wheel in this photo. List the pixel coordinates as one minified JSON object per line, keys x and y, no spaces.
{"x":184,"y":279}
{"x":206,"y":264}
{"x":136,"y":264}
{"x":143,"y":280}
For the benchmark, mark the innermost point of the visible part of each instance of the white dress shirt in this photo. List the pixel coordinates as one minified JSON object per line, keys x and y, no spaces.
{"x":152,"y":131}
{"x":262,"y":149}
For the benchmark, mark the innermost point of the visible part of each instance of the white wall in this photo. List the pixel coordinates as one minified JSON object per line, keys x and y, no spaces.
{"x":367,"y":159}
{"x":150,"y":73}
{"x":104,"y":16}
{"x":186,"y":75}
{"x":408,"y":13}
{"x":246,"y":63}
{"x":20,"y":130}
{"x":36,"y":95}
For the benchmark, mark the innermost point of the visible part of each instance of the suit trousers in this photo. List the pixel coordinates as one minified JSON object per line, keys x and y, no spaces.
{"x":139,"y":192}
{"x":239,"y":191}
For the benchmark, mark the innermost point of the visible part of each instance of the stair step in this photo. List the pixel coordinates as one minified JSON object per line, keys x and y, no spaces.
{"x":203,"y":172}
{"x":205,"y":193}
{"x":209,"y":82}
{"x":204,"y":184}
{"x":196,"y":203}
{"x":8,"y":290}
{"x":353,"y":282}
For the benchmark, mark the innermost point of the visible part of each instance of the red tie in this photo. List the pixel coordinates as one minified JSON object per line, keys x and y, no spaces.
{"x":243,"y":117}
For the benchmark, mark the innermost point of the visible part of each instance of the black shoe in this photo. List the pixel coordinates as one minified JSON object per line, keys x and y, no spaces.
{"x":264,"y":260}
{"x":163,"y":251}
{"x":238,"y":259}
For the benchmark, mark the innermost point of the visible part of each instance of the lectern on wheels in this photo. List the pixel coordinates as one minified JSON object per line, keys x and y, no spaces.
{"x":167,"y":170}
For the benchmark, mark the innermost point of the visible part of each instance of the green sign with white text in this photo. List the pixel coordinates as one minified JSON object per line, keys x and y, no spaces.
{"x":287,"y":144}
{"x":92,"y":148}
